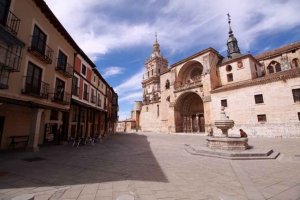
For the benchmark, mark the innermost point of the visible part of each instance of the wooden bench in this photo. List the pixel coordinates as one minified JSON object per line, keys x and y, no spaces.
{"x":16,"y":140}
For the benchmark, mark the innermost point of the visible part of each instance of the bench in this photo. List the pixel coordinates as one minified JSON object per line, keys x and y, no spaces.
{"x":16,"y":140}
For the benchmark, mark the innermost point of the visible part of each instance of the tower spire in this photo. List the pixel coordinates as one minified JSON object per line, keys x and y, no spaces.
{"x":233,"y":49}
{"x":156,"y":49}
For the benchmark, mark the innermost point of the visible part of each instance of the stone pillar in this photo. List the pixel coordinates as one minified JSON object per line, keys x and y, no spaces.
{"x":35,"y":129}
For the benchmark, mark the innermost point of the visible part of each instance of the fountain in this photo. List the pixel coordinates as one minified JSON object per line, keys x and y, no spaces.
{"x":225,"y":142}
{"x":233,"y":148}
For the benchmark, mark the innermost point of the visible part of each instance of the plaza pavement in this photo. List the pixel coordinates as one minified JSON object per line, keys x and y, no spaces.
{"x":150,"y":166}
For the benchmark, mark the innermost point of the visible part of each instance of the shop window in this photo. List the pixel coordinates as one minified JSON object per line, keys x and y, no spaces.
{"x":259,"y":98}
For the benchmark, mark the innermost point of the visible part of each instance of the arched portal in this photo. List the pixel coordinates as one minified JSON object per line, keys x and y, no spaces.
{"x":189,"y":113}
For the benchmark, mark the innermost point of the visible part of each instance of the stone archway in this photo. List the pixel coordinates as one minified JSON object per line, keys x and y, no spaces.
{"x":189,"y":113}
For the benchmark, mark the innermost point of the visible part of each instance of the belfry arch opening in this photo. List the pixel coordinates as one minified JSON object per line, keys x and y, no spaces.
{"x":189,"y":113}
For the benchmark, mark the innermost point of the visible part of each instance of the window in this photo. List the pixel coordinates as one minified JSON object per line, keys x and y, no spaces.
{"x":33,"y":79}
{"x":83,"y":69}
{"x":39,"y":39}
{"x":85,"y":92}
{"x":258,"y":98}
{"x":59,"y":90}
{"x":167,"y":84}
{"x":228,"y":68}
{"x":158,"y":71}
{"x":4,"y":9}
{"x":62,"y":60}
{"x":296,"y":94}
{"x":75,"y":114}
{"x":274,"y":65}
{"x":54,"y":115}
{"x":229,"y":77}
{"x":4,"y":76}
{"x":270,"y":69}
{"x":224,"y":102}
{"x":75,"y":88}
{"x":299,"y":116}
{"x":295,"y":63}
{"x":261,"y":118}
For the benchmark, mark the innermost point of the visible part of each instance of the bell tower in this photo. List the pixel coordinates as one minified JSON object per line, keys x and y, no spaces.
{"x":154,"y":66}
{"x":233,"y":49}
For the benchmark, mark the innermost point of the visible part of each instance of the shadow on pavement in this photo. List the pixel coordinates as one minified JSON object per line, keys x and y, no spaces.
{"x":120,"y":157}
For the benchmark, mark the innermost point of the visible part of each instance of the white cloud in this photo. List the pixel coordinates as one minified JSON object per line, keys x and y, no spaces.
{"x":112,"y":71}
{"x":133,"y":83}
{"x":131,"y":96}
{"x":179,"y":23}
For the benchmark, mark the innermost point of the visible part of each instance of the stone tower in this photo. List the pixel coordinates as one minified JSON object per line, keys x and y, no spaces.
{"x":155,"y":65}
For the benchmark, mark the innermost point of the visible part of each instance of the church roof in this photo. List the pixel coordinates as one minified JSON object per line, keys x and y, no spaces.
{"x":278,"y":51}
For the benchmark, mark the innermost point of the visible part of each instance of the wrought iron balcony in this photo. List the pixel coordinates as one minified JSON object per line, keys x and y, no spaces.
{"x":65,"y":68}
{"x":35,"y":87}
{"x":41,"y":50}
{"x":10,"y":58}
{"x":75,"y":90}
{"x":93,"y":98}
{"x":61,"y":97}
{"x":86,"y":96}
{"x":179,"y":86}
{"x":10,"y":21}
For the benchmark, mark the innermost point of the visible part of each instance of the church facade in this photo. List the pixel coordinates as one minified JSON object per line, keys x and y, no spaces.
{"x":260,"y":93}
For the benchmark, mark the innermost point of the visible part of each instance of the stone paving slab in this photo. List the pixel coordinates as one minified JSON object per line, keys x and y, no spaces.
{"x":151,"y":166}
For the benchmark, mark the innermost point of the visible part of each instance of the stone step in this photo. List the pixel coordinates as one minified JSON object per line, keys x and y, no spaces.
{"x":252,"y":154}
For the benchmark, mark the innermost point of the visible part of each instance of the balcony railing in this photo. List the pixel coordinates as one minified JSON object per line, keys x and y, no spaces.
{"x":65,"y":68}
{"x":75,"y":91}
{"x":86,"y":96}
{"x":35,"y":87}
{"x":179,"y":86}
{"x":41,"y":50}
{"x":10,"y":59}
{"x":10,"y":21}
{"x":61,"y":97}
{"x":93,"y":98}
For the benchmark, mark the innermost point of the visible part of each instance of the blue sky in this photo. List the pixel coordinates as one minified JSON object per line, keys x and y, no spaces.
{"x":118,"y":34}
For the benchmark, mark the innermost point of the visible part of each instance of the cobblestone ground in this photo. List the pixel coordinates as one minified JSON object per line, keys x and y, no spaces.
{"x":150,"y":166}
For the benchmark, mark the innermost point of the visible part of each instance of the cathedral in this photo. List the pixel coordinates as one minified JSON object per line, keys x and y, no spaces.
{"x":260,"y":93}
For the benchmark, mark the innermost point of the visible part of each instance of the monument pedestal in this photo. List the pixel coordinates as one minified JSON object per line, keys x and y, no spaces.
{"x":227,"y":143}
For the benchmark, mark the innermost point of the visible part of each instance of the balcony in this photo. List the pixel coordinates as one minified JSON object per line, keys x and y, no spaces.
{"x":65,"y":68}
{"x":61,"y":97}
{"x":35,"y":87}
{"x":42,"y":51}
{"x":10,"y":21}
{"x":93,"y":98}
{"x":179,"y":86}
{"x":10,"y":58}
{"x":75,"y":91}
{"x":86,"y":96}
